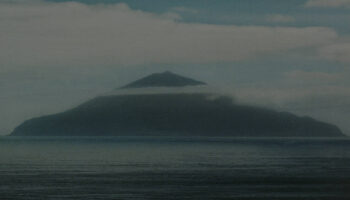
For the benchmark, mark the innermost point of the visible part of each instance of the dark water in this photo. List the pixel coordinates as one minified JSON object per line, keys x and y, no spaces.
{"x":174,"y":168}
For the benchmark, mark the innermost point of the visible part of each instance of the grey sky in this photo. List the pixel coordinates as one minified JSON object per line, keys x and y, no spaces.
{"x":55,"y":55}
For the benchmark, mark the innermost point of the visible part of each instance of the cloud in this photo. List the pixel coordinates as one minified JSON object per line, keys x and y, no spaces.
{"x":326,"y":103}
{"x":277,"y":18}
{"x":314,"y":76}
{"x":21,"y":1}
{"x":182,"y":9}
{"x":75,"y":34}
{"x":279,"y":97}
{"x":328,"y":3}
{"x":201,"y":89}
{"x":337,"y":52}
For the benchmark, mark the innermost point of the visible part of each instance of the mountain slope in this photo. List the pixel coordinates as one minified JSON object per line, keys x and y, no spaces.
{"x":165,"y":79}
{"x":173,"y":114}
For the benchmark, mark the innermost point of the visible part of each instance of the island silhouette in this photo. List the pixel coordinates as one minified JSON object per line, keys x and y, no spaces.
{"x":140,"y":109}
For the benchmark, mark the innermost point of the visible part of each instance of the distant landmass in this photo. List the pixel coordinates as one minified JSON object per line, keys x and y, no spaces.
{"x":172,"y":114}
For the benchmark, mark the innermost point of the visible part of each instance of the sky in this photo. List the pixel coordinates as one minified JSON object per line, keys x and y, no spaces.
{"x":286,"y":55}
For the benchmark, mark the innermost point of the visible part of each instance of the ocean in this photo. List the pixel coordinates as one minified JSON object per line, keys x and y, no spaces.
{"x":172,"y":168}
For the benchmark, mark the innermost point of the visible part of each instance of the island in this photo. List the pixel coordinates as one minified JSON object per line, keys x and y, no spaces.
{"x":167,"y":104}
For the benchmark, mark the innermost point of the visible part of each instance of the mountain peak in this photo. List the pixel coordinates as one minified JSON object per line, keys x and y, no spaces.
{"x":164,"y":79}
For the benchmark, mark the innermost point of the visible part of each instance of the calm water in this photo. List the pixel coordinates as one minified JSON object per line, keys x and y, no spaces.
{"x":174,"y":168}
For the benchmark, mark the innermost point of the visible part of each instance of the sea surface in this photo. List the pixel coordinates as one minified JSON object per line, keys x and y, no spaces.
{"x":170,"y":168}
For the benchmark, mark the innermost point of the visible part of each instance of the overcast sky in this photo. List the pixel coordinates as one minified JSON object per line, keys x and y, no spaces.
{"x":288,"y":55}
